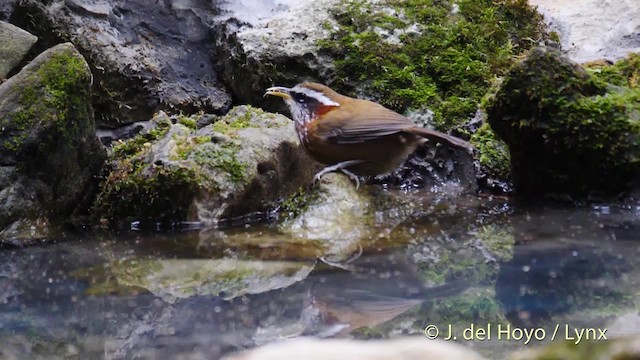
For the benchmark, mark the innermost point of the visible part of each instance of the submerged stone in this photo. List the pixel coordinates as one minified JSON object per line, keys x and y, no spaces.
{"x":183,"y":278}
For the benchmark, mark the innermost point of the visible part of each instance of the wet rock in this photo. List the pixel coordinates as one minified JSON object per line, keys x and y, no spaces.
{"x":609,"y":349}
{"x":335,"y":214}
{"x":342,"y":218}
{"x":592,"y":29}
{"x":15,"y":45}
{"x":434,"y":167}
{"x":144,"y":56}
{"x":183,"y":278}
{"x":48,"y":150}
{"x":568,"y":133}
{"x":408,"y":348}
{"x":177,"y":172}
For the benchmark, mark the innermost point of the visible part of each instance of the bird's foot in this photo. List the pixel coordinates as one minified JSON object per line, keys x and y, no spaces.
{"x":352,"y":176}
{"x":342,"y":166}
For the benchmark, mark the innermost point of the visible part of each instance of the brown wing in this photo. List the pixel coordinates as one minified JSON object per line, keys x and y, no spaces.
{"x":358,"y":121}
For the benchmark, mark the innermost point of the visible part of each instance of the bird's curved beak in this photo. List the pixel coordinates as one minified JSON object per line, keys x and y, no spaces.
{"x":279,"y":91}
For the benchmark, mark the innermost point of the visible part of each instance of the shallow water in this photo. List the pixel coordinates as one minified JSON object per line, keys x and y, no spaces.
{"x":202,"y":294}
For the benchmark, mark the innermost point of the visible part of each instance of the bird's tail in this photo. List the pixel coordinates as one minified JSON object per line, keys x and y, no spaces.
{"x":439,"y":137}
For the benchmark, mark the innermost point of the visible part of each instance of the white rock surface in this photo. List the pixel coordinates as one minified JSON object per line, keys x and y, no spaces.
{"x":410,"y":348}
{"x":594,"y":29}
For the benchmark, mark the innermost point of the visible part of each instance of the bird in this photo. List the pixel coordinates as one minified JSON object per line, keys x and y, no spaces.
{"x":355,"y":136}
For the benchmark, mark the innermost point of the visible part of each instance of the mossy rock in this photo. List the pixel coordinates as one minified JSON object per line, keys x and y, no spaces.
{"x":441,"y":55}
{"x":568,"y":132}
{"x":48,"y":139}
{"x":176,"y":172}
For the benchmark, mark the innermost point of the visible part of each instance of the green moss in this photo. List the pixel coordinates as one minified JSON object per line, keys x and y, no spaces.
{"x":134,"y":145}
{"x":494,"y":153}
{"x":554,"y":36}
{"x":222,"y":157}
{"x":445,"y":64}
{"x":477,"y":306}
{"x":298,"y":203}
{"x":238,"y":118}
{"x":202,"y":139}
{"x":154,"y":193}
{"x":187,"y":121}
{"x":625,"y":73}
{"x":456,"y":263}
{"x":498,"y":240}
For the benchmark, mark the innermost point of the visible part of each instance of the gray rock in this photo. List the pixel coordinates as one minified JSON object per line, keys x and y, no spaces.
{"x":145,"y":55}
{"x":276,"y":49}
{"x":6,"y":9}
{"x":14,"y":45}
{"x":232,"y":167}
{"x":49,"y":153}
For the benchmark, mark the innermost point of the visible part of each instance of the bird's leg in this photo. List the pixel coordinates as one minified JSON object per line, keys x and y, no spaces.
{"x":342,"y":167}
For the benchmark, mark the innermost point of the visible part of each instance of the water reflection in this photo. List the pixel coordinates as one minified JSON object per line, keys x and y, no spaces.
{"x":206,"y":294}
{"x":378,"y":289}
{"x":570,"y":264}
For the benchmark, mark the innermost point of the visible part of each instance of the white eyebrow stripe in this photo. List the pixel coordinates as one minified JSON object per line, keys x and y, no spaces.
{"x":315,"y":94}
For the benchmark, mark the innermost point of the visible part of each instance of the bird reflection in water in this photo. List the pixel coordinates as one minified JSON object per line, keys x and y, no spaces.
{"x":380,"y":288}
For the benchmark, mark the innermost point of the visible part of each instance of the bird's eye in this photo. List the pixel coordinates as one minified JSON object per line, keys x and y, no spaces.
{"x":298,"y":97}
